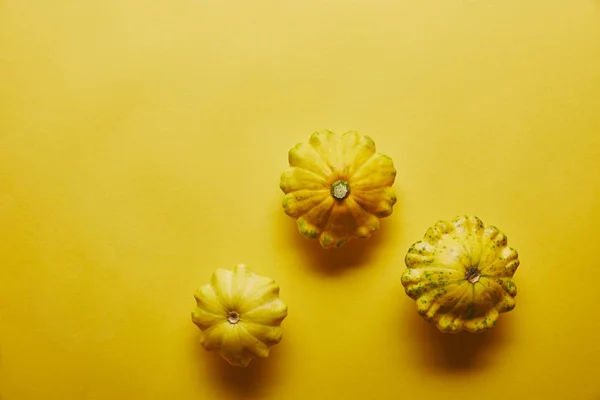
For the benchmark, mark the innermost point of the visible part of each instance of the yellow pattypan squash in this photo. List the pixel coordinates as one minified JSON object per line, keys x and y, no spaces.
{"x":460,"y":275}
{"x":239,"y":315}
{"x":337,"y":187}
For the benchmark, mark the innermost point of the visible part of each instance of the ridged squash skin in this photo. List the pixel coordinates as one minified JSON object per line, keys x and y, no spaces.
{"x":239,"y":314}
{"x":337,"y":187}
{"x":461,"y":275}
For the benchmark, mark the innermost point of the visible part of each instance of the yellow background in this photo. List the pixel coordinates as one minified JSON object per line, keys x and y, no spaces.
{"x":141,"y":144}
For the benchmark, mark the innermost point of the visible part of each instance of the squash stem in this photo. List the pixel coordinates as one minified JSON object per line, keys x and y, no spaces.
{"x":472,"y":275}
{"x":340,"y":189}
{"x":233,"y":317}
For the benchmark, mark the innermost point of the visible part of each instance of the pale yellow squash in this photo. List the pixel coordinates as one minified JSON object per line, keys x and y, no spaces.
{"x":239,"y":315}
{"x":460,"y":275}
{"x":337,"y":187}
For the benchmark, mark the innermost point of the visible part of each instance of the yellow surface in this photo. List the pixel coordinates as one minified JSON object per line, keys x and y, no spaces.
{"x":141,"y":144}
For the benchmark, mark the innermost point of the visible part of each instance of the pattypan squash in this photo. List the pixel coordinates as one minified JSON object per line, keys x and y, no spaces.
{"x":337,"y":187}
{"x":239,"y":315}
{"x":461,"y":275}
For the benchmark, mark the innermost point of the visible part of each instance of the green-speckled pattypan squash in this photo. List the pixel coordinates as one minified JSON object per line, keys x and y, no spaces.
{"x":460,"y":275}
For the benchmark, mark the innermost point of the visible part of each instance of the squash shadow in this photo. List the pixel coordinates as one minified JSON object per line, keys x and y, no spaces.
{"x":456,"y":353}
{"x":250,"y":382}
{"x":335,"y":261}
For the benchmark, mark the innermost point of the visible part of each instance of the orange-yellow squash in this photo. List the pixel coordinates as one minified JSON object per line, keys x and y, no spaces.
{"x":460,"y":275}
{"x":337,"y":187}
{"x":239,"y":315}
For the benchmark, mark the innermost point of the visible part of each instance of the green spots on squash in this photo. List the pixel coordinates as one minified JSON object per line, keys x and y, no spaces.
{"x":424,"y":307}
{"x":509,"y":306}
{"x":307,"y":230}
{"x":415,"y":290}
{"x":326,"y":239}
{"x":309,"y":234}
{"x":511,"y":288}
